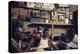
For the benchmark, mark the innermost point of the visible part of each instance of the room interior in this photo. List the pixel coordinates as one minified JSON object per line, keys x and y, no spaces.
{"x":59,"y":19}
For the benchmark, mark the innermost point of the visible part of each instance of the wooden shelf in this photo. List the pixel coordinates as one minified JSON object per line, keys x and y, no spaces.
{"x":41,"y":9}
{"x":37,"y":24}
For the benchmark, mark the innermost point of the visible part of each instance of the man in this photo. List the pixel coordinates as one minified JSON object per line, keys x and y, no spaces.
{"x":19,"y":42}
{"x":44,"y":42}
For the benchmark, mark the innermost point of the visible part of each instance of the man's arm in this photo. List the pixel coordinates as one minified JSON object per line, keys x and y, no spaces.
{"x":53,"y":44}
{"x":29,"y":46}
{"x":15,"y":45}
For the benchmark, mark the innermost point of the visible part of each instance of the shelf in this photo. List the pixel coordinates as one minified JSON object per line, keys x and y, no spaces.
{"x":41,"y":9}
{"x":37,"y":24}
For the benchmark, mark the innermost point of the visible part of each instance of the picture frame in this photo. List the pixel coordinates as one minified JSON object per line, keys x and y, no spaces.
{"x":45,"y":15}
{"x":25,"y":23}
{"x":35,"y":13}
{"x":61,"y":16}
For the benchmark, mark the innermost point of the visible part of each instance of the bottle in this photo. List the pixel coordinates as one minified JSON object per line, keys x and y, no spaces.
{"x":66,"y":21}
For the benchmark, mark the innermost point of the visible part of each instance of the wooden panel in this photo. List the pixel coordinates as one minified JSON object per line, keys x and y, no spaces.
{"x":22,"y":11}
{"x":29,"y":12}
{"x":25,"y":12}
{"x":59,"y":30}
{"x":15,"y":11}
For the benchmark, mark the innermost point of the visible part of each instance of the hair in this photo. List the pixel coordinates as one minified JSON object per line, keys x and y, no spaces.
{"x":70,"y":34}
{"x":45,"y":30}
{"x":44,"y":35}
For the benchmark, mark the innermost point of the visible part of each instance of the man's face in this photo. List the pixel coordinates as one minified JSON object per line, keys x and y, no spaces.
{"x":46,"y":34}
